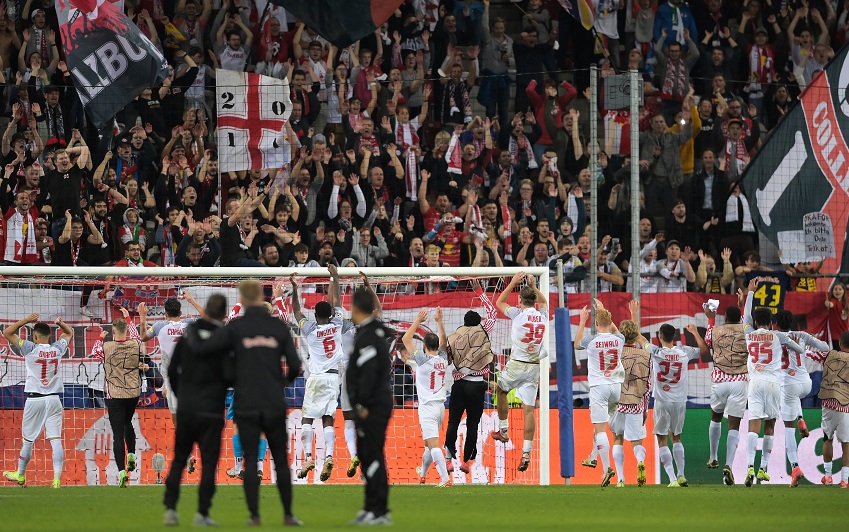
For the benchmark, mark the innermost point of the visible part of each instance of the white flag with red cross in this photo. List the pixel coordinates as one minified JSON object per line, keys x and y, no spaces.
{"x":252,"y":115}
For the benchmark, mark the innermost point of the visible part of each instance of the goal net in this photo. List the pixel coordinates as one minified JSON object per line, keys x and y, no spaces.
{"x":88,"y":302}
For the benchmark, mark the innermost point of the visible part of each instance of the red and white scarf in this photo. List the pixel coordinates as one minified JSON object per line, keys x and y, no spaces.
{"x":371,"y":143}
{"x":761,"y":68}
{"x":508,"y":232}
{"x":406,"y":138}
{"x":514,"y":152}
{"x":738,"y":150}
{"x":20,"y":237}
{"x":675,"y":82}
{"x":454,"y":156}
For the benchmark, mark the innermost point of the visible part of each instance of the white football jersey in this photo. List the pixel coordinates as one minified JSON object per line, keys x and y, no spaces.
{"x":765,"y":349}
{"x":168,"y":333}
{"x":324,"y":343}
{"x":42,"y":362}
{"x":527,"y":332}
{"x":430,"y":376}
{"x":792,"y":364}
{"x":669,"y":371}
{"x":604,"y":358}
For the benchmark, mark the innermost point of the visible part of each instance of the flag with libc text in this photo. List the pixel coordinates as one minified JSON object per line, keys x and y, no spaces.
{"x":252,"y":113}
{"x":110,"y":60}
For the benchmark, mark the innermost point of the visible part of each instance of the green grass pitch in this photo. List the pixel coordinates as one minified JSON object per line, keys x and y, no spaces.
{"x":457,"y":508}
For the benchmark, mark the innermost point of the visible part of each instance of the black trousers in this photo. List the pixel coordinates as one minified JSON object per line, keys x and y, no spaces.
{"x":466,"y":396}
{"x":206,"y":431}
{"x":273,"y":424}
{"x":121,"y":419}
{"x":371,"y":439}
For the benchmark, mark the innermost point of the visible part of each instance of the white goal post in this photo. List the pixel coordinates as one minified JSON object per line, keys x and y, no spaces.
{"x":27,"y":289}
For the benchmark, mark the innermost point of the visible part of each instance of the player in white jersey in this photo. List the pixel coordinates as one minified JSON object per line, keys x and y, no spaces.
{"x":796,"y":384}
{"x":521,"y":373}
{"x":324,"y":354}
{"x":43,"y":408}
{"x":765,"y":351}
{"x":605,"y":375}
{"x":349,"y":331}
{"x":669,"y":389}
{"x":431,"y":367}
{"x":168,"y":333}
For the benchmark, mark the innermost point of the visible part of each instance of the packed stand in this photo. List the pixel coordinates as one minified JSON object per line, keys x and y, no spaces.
{"x":456,"y":135}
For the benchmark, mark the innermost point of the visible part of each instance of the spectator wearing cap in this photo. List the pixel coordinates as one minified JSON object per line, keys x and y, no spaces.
{"x":325,"y":255}
{"x":39,"y":38}
{"x":760,"y":58}
{"x":56,"y":123}
{"x":685,"y":227}
{"x":674,"y":68}
{"x":737,"y":149}
{"x":735,"y":110}
{"x":675,"y":270}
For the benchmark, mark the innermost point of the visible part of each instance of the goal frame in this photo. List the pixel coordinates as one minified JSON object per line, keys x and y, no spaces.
{"x":233,"y":272}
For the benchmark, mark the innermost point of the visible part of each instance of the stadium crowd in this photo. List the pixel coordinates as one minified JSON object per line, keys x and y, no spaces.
{"x":442,"y":139}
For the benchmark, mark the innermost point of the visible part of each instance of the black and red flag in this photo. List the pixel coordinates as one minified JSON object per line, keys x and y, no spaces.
{"x":342,"y":22}
{"x":110,"y":60}
{"x":798,"y":183}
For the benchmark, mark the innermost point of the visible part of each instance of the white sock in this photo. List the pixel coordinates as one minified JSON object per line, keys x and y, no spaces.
{"x":844,"y":474}
{"x":666,"y":462}
{"x":751,"y":448}
{"x":827,"y":468}
{"x":619,"y":461}
{"x":427,"y":459}
{"x":790,"y":445}
{"x":594,"y":454}
{"x":767,"y":452}
{"x":504,"y":424}
{"x":602,"y":444}
{"x":678,"y":453}
{"x":731,"y":443}
{"x":441,"y":467}
{"x":640,"y":453}
{"x":58,"y":458}
{"x":26,"y":455}
{"x":259,"y":466}
{"x":238,"y":464}
{"x":306,"y":440}
{"x":351,"y":437}
{"x":714,"y":433}
{"x":329,"y":442}
{"x":527,"y":446}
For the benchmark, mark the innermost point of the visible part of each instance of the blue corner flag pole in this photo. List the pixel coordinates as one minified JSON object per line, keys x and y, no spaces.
{"x":565,"y":405}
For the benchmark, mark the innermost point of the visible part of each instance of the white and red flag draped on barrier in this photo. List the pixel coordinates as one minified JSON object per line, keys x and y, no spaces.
{"x":252,"y":115}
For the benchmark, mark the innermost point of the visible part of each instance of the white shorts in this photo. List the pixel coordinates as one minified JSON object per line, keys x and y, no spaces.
{"x":171,"y":397}
{"x":669,"y":417}
{"x":764,"y":399}
{"x":835,"y":423}
{"x":431,"y":415}
{"x":321,"y":395}
{"x":344,"y":400}
{"x":791,"y":399}
{"x":629,"y":425}
{"x":729,"y":398}
{"x":603,"y":401}
{"x":524,"y":378}
{"x":42,"y":413}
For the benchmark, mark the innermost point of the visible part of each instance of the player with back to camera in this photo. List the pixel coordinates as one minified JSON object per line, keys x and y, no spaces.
{"x":669,"y":389}
{"x":324,"y":354}
{"x":200,"y":383}
{"x":730,"y":385}
{"x":605,"y":375}
{"x":43,"y":408}
{"x":765,"y":347}
{"x":629,"y":420}
{"x":795,"y":384}
{"x":431,"y":366}
{"x":522,"y":370}
{"x":834,"y":393}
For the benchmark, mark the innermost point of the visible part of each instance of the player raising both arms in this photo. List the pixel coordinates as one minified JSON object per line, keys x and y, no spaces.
{"x":431,"y":366}
{"x":605,"y":375}
{"x":765,"y":351}
{"x":796,"y":384}
{"x":730,"y":388}
{"x":324,"y":353}
{"x":629,"y":420}
{"x":522,"y":370}
{"x":43,"y":408}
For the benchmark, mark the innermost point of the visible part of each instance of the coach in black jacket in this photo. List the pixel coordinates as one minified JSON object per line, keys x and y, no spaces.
{"x":367,"y":377}
{"x":257,"y":343}
{"x":200,"y":384}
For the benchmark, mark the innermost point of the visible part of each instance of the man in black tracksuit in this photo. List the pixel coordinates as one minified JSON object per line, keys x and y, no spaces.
{"x":368,"y":377}
{"x":258,"y":342}
{"x":200,"y":384}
